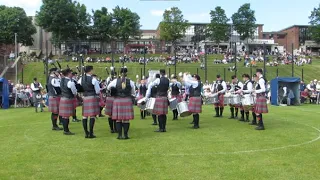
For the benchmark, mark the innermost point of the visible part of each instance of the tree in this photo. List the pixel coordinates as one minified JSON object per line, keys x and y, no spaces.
{"x":103,"y":29}
{"x":83,"y":21}
{"x":126,"y":24}
{"x":15,"y":20}
{"x":199,"y":34}
{"x":173,"y":26}
{"x":244,"y":22}
{"x":218,"y":29}
{"x":315,"y":24}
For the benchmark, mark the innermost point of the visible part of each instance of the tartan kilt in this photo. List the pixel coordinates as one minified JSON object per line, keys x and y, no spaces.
{"x":248,"y":108}
{"x":178,"y":97}
{"x":90,"y":106}
{"x":161,"y":106}
{"x":138,"y":104}
{"x":195,"y":105}
{"x":54,"y":104}
{"x":75,"y":102}
{"x":261,"y":106}
{"x":221,"y":101}
{"x":108,"y":107}
{"x":66,"y":107}
{"x":122,"y":109}
{"x":102,"y":100}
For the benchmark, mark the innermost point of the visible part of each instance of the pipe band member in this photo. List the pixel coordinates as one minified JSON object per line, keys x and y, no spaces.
{"x":260,"y":106}
{"x":36,"y":88}
{"x":141,"y":94}
{"x":75,"y":100}
{"x":54,"y":92}
{"x":246,"y":91}
{"x":161,"y":101}
{"x":220,"y":88}
{"x":109,"y":101}
{"x":236,"y":85}
{"x":195,"y":100}
{"x":66,"y":106}
{"x":153,"y":94}
{"x":90,"y":108}
{"x":122,"y":110}
{"x":175,"y":87}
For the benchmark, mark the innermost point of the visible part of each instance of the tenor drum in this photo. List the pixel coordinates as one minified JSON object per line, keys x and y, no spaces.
{"x":235,"y":99}
{"x":247,"y":100}
{"x":150,"y":104}
{"x":173,"y":103}
{"x":142,"y":103}
{"x":183,"y":109}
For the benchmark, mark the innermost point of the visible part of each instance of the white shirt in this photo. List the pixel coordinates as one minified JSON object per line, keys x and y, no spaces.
{"x":249,"y":87}
{"x":35,"y":89}
{"x":55,"y":82}
{"x":113,"y":84}
{"x":188,"y":81}
{"x":154,"y":83}
{"x":261,"y":82}
{"x":95,"y":83}
{"x":71,"y":86}
{"x":233,"y":86}
{"x":214,"y":86}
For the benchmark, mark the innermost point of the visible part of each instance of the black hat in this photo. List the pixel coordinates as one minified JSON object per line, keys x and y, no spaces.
{"x":35,"y":79}
{"x":174,"y":77}
{"x":124,"y":70}
{"x":246,"y":76}
{"x":157,"y":75}
{"x":233,"y":77}
{"x":259,"y":71}
{"x":196,"y":76}
{"x":88,"y":69}
{"x":74,"y":73}
{"x":218,"y":76}
{"x":66,"y":72}
{"x":53,"y":70}
{"x":162,"y":71}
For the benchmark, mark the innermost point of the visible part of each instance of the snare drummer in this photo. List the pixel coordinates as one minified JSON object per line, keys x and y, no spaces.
{"x":195,"y":100}
{"x":109,"y":101}
{"x":154,"y":95}
{"x":246,"y":91}
{"x":141,"y":94}
{"x":236,"y":85}
{"x":219,"y":87}
{"x":75,"y":81}
{"x":161,"y":104}
{"x":36,"y":88}
{"x":260,"y":106}
{"x":175,"y":87}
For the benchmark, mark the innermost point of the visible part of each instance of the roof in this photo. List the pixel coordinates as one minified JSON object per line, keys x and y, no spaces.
{"x":293,"y":27}
{"x":275,"y":32}
{"x":148,"y":31}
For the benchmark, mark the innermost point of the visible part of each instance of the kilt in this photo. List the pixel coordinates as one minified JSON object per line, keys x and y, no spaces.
{"x":161,"y":106}
{"x":90,"y":106}
{"x":35,"y":99}
{"x":54,"y":104}
{"x":248,"y":108}
{"x":221,"y":101}
{"x":102,"y":100}
{"x":261,"y":106}
{"x":122,"y":109}
{"x":75,"y":102}
{"x":66,"y":107}
{"x":178,"y":97}
{"x":108,"y":107}
{"x":195,"y":105}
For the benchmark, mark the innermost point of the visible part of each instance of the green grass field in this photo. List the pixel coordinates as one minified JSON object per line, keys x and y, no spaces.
{"x":311,"y":72}
{"x":225,"y":149}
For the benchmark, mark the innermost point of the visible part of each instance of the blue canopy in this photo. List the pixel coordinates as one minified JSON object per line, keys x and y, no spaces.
{"x":4,"y":93}
{"x":292,"y":85}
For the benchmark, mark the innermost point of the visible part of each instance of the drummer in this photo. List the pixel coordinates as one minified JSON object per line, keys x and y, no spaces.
{"x":175,"y":87}
{"x":109,"y":101}
{"x":246,"y":91}
{"x":260,"y":106}
{"x":195,"y":101}
{"x":161,"y":102}
{"x":236,"y":85}
{"x":142,"y":90}
{"x":220,"y":88}
{"x":154,"y":95}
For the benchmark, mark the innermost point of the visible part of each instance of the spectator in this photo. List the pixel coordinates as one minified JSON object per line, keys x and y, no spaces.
{"x":12,"y":56}
{"x":304,"y":96}
{"x":302,"y":86}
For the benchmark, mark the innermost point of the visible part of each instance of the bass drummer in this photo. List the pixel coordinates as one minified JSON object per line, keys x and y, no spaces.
{"x":175,"y":87}
{"x":247,"y":100}
{"x":236,"y":85}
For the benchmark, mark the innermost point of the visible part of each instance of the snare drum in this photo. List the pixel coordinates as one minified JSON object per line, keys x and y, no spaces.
{"x":247,"y":100}
{"x":142,"y":103}
{"x":227,"y":99}
{"x":235,"y":99}
{"x":150,"y":105}
{"x":173,"y":103}
{"x":213,"y":99}
{"x":183,"y":109}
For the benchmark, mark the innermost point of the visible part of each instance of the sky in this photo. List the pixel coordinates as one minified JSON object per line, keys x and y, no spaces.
{"x":274,"y":14}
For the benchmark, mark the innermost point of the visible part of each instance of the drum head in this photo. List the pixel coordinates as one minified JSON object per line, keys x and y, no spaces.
{"x":38,"y":96}
{"x":185,"y":114}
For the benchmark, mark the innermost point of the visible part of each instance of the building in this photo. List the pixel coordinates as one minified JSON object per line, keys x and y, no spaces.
{"x":296,"y":37}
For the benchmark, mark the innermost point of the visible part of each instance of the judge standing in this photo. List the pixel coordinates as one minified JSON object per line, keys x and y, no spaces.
{"x":161,"y":103}
{"x":66,"y":107}
{"x":90,"y":108}
{"x":122,"y":110}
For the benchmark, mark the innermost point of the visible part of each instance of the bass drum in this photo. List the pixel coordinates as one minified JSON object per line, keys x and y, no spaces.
{"x":183,"y":109}
{"x":214,"y":99}
{"x":173,"y":103}
{"x":150,"y":105}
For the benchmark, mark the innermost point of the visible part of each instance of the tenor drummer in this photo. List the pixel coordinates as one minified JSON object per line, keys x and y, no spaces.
{"x":109,"y":100}
{"x":54,"y":93}
{"x":195,"y":101}
{"x":122,"y":110}
{"x":175,"y":87}
{"x":142,"y":91}
{"x":247,"y":99}
{"x":220,"y":88}
{"x":236,"y":85}
{"x":161,"y":102}
{"x":260,"y":106}
{"x":90,"y":108}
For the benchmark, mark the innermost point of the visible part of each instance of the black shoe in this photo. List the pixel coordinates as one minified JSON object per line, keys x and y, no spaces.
{"x":192,"y":122}
{"x":164,"y":130}
{"x":195,"y":127}
{"x":247,"y":120}
{"x":232,"y":117}
{"x":154,"y":124}
{"x":68,"y":133}
{"x":57,"y":128}
{"x":113,"y":131}
{"x":216,"y":116}
{"x":119,"y":137}
{"x":253,"y":123}
{"x":126,"y":137}
{"x":260,"y":128}
{"x":76,"y":120}
{"x":241,"y":119}
{"x":159,"y":130}
{"x":91,"y":136}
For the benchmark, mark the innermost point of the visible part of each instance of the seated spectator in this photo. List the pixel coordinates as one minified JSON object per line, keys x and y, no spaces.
{"x":304,"y":96}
